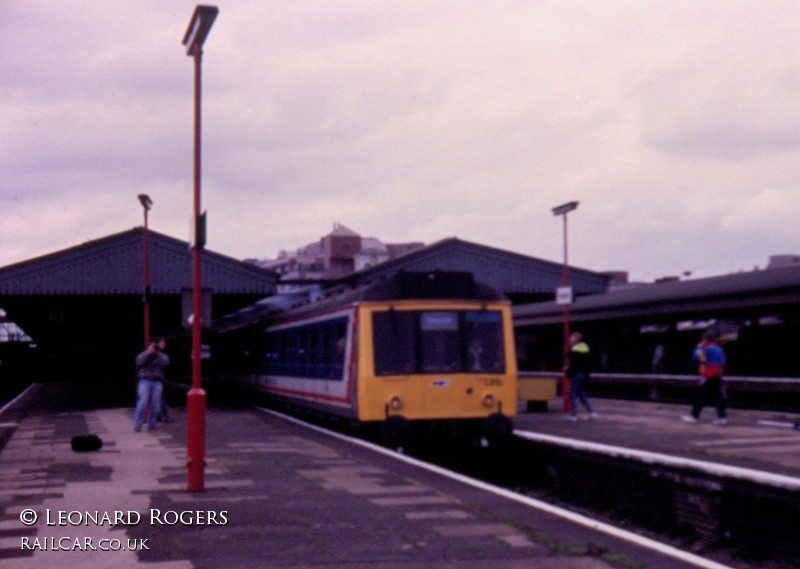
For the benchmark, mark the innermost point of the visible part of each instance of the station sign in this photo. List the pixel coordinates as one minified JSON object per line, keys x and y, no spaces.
{"x":564,"y":295}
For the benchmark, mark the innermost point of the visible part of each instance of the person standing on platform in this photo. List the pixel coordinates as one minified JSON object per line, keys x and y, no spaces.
{"x":150,"y":366}
{"x":578,"y":369}
{"x":659,"y":355}
{"x":711,"y":358}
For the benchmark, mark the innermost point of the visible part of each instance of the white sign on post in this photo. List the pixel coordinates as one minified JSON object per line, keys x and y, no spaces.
{"x":564,"y":295}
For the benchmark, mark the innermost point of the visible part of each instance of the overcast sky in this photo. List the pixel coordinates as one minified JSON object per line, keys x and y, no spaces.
{"x":675,"y":124}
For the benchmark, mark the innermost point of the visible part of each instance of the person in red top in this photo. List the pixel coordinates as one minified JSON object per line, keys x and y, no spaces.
{"x":711,"y":358}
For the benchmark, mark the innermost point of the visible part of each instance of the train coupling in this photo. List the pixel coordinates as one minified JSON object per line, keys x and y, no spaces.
{"x":497,"y":429}
{"x":396,"y":431}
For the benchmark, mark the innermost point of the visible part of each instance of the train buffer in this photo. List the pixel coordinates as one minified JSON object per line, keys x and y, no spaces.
{"x":536,"y":391}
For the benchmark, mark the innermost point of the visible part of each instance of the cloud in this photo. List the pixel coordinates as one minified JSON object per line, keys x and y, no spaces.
{"x":725,"y":91}
{"x":672,"y":123}
{"x":767,"y":212}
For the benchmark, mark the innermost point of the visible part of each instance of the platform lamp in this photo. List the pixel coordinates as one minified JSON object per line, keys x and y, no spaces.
{"x":564,"y":298}
{"x":199,"y":26}
{"x":147,"y":203}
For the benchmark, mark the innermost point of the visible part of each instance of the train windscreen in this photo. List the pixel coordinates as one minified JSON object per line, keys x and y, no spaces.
{"x":441,"y":341}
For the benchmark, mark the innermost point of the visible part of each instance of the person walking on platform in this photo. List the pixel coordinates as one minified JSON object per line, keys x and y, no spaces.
{"x":150,"y":366}
{"x":578,"y":369}
{"x":711,"y":358}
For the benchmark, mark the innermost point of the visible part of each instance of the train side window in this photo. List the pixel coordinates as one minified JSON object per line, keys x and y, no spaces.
{"x":394,"y":342}
{"x":341,"y":343}
{"x":271,"y":352}
{"x":336,"y":334}
{"x":293,"y":352}
{"x":302,"y":351}
{"x":324,"y":345}
{"x":283,"y":350}
{"x":313,"y":349}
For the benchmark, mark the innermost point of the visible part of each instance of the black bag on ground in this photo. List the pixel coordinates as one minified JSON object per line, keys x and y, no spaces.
{"x":86,"y":443}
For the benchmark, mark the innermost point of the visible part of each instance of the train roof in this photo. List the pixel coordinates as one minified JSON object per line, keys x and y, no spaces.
{"x":428,"y":285}
{"x":736,"y":292}
{"x":431,"y":285}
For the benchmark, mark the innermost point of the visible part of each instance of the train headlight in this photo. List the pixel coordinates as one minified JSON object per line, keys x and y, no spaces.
{"x":488,"y":401}
{"x":395,"y":403}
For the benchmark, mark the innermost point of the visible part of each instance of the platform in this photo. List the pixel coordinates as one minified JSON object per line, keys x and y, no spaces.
{"x":759,"y":440}
{"x":276,"y":495}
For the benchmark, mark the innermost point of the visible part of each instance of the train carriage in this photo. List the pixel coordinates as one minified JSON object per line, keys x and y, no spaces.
{"x":432,"y":347}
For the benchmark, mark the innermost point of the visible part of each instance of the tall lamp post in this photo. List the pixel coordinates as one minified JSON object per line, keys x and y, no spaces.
{"x":564,"y":298}
{"x":147,"y":203}
{"x":199,"y":26}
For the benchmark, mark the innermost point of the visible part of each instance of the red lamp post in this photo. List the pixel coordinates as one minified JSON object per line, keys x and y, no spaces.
{"x":147,"y":203}
{"x":199,"y":26}
{"x":564,"y":297}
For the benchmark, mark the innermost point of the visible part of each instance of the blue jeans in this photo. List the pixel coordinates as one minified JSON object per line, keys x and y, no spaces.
{"x":148,"y":396}
{"x":577,"y":392}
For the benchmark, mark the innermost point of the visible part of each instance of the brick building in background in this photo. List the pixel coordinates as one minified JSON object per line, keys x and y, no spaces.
{"x":337,"y":254}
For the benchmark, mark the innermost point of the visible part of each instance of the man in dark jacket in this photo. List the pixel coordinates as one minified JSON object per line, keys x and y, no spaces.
{"x":578,"y":368}
{"x":150,"y":366}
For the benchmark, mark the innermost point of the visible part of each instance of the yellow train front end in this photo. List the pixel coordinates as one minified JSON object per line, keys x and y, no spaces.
{"x":437,"y":361}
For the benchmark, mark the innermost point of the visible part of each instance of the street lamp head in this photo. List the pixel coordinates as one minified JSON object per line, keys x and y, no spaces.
{"x":199,"y":26}
{"x":565,"y":208}
{"x":146,"y":202}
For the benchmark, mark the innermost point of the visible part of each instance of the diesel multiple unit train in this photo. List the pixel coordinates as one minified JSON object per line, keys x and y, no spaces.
{"x":416,"y":350}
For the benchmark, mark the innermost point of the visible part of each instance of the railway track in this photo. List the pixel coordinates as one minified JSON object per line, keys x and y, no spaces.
{"x":743,"y":514}
{"x":678,"y":507}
